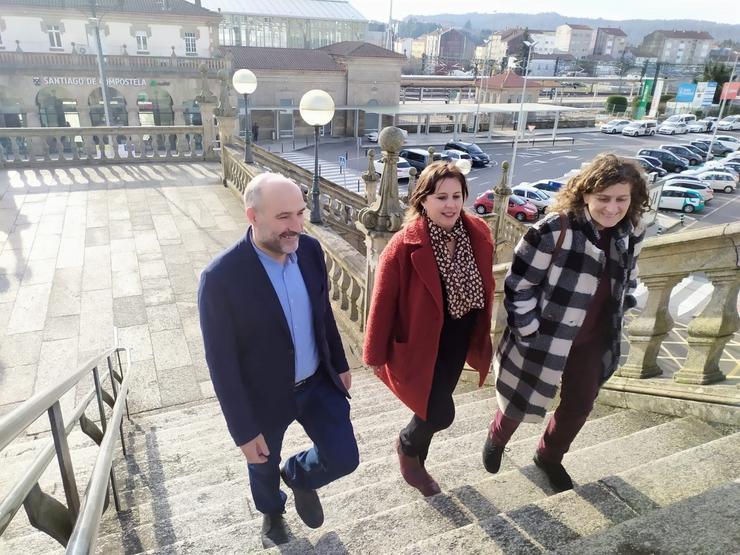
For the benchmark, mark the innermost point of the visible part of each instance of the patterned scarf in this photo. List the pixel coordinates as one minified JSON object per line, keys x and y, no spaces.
{"x":460,"y":275}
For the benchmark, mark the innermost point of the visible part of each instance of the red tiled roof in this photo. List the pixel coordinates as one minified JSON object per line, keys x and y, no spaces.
{"x":506,"y":80}
{"x":281,"y":58}
{"x":360,"y":49}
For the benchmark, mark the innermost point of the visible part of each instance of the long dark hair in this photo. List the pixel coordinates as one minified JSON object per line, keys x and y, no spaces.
{"x":604,"y":171}
{"x":427,"y":184}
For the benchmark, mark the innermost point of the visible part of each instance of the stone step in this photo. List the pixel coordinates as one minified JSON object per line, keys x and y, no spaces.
{"x":371,"y":502}
{"x":204,"y":457}
{"x":554,"y":522}
{"x":705,"y":523}
{"x":365,"y":386}
{"x":145,"y":506}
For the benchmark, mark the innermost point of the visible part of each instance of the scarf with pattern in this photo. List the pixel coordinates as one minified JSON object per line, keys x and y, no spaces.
{"x":460,"y":275}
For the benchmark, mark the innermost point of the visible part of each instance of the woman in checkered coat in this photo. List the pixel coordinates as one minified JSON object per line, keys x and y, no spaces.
{"x":571,"y":279}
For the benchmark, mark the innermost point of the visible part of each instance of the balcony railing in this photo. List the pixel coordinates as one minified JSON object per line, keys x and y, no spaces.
{"x":154,"y":65}
{"x":25,"y":147}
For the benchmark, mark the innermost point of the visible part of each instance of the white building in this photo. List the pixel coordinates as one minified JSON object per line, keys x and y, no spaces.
{"x":576,"y":40}
{"x":545,"y":41}
{"x":609,"y":41}
{"x":678,"y":47}
{"x":133,"y":27}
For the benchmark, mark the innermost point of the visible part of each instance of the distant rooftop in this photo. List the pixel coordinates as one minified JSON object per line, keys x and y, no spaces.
{"x":256,"y":58}
{"x":338,"y":10}
{"x":360,"y":49}
{"x":686,"y":34}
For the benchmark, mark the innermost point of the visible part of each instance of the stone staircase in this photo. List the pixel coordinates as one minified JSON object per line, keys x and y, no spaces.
{"x":645,"y":483}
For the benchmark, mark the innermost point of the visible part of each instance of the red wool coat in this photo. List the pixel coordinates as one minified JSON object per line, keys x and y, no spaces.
{"x":406,"y":314}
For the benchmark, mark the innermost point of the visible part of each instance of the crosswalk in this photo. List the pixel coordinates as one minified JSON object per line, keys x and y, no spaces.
{"x":344,"y":177}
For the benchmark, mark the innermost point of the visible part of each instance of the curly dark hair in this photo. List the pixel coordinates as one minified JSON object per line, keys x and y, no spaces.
{"x":427,"y":184}
{"x":604,"y":171}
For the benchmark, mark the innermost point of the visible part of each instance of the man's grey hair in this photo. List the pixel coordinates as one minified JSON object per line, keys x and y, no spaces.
{"x":254,"y":189}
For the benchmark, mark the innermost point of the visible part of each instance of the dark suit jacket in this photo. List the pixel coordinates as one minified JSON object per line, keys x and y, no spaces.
{"x":248,"y":346}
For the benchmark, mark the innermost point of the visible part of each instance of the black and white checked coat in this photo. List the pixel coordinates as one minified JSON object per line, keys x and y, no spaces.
{"x":546,"y":301}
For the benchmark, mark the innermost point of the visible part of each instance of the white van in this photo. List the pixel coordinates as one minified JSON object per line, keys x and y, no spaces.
{"x":642,"y":127}
{"x":681,"y":118}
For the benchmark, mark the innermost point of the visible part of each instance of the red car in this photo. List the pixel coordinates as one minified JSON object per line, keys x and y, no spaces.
{"x":521,"y":209}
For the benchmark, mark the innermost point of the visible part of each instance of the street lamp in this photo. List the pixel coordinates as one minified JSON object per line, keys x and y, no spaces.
{"x":317,"y":109}
{"x":722,"y":104}
{"x":520,"y":122}
{"x":245,"y":83}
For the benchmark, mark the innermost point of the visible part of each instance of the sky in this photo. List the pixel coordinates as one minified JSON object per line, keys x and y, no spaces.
{"x":708,"y":10}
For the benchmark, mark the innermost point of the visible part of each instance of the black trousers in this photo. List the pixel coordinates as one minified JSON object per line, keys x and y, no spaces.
{"x":454,"y":340}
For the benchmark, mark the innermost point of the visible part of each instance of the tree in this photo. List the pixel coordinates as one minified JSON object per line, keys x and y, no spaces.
{"x":616,"y":104}
{"x":413,"y":28}
{"x":718,"y":72}
{"x":523,"y":51}
{"x":468,"y":25}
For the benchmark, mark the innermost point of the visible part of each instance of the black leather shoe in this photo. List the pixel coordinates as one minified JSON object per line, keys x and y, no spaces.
{"x":492,"y":455}
{"x":556,"y":474}
{"x":274,"y":530}
{"x":307,"y":504}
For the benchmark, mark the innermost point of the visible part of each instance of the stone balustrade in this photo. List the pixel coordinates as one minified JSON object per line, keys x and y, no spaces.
{"x":663,"y":263}
{"x":27,"y":147}
{"x":154,"y":65}
{"x":340,"y":206}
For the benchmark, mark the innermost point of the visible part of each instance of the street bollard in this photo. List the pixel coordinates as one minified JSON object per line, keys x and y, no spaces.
{"x":682,"y":219}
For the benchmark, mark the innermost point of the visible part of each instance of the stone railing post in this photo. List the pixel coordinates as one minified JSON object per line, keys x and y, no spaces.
{"x":711,"y":330}
{"x":646,"y":332}
{"x":501,"y":194}
{"x":371,"y":178}
{"x":207,"y":102}
{"x":381,"y":220}
{"x":412,"y":181}
{"x":133,"y":116}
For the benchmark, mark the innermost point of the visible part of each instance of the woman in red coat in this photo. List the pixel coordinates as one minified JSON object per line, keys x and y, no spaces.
{"x":431,"y":311}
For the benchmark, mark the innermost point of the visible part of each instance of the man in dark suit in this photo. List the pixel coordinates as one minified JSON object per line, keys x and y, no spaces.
{"x":275,"y":355}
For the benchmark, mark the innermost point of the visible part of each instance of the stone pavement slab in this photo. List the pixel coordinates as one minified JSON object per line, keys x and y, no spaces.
{"x":84,"y":250}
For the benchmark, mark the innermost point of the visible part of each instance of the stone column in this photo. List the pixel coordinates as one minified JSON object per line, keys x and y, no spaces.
{"x":371,"y":179}
{"x":179,"y":117}
{"x":501,"y":194}
{"x":207,"y":103}
{"x":646,"y":332}
{"x":381,"y":220}
{"x":709,"y":332}
{"x":133,"y":116}
{"x":32,"y":116}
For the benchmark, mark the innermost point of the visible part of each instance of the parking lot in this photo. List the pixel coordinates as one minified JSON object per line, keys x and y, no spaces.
{"x":546,"y":161}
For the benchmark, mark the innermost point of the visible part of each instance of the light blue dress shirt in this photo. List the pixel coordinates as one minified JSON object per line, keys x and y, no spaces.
{"x":287,"y":281}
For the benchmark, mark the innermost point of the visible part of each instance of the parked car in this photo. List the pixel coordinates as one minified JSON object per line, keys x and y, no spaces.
{"x":419,"y":158}
{"x":651,"y":167}
{"x":518,"y":207}
{"x":729,"y":141}
{"x":733,"y":164}
{"x":700,"y":126}
{"x":699,"y":152}
{"x":539,"y":198}
{"x":681,"y":118}
{"x":614,"y":126}
{"x":721,"y":166}
{"x":402,"y":168}
{"x":455,"y":155}
{"x":705,"y":190}
{"x":673,"y":128}
{"x":373,"y":135}
{"x":729,"y":123}
{"x":668,"y":160}
{"x":642,"y":127}
{"x":479,"y":157}
{"x":719,"y":180}
{"x":718,"y":149}
{"x":684,"y":152}
{"x":547,"y":185}
{"x":679,"y":198}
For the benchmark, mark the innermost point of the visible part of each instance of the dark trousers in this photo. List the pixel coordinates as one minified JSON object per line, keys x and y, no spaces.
{"x":324,"y":414}
{"x":579,"y":389}
{"x":416,"y":437}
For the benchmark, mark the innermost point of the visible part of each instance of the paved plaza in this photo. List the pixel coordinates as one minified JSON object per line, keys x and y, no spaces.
{"x":92,"y":251}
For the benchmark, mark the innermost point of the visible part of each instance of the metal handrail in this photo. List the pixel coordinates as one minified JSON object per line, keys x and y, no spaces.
{"x":16,"y":421}
{"x":44,"y":512}
{"x":85,"y":532}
